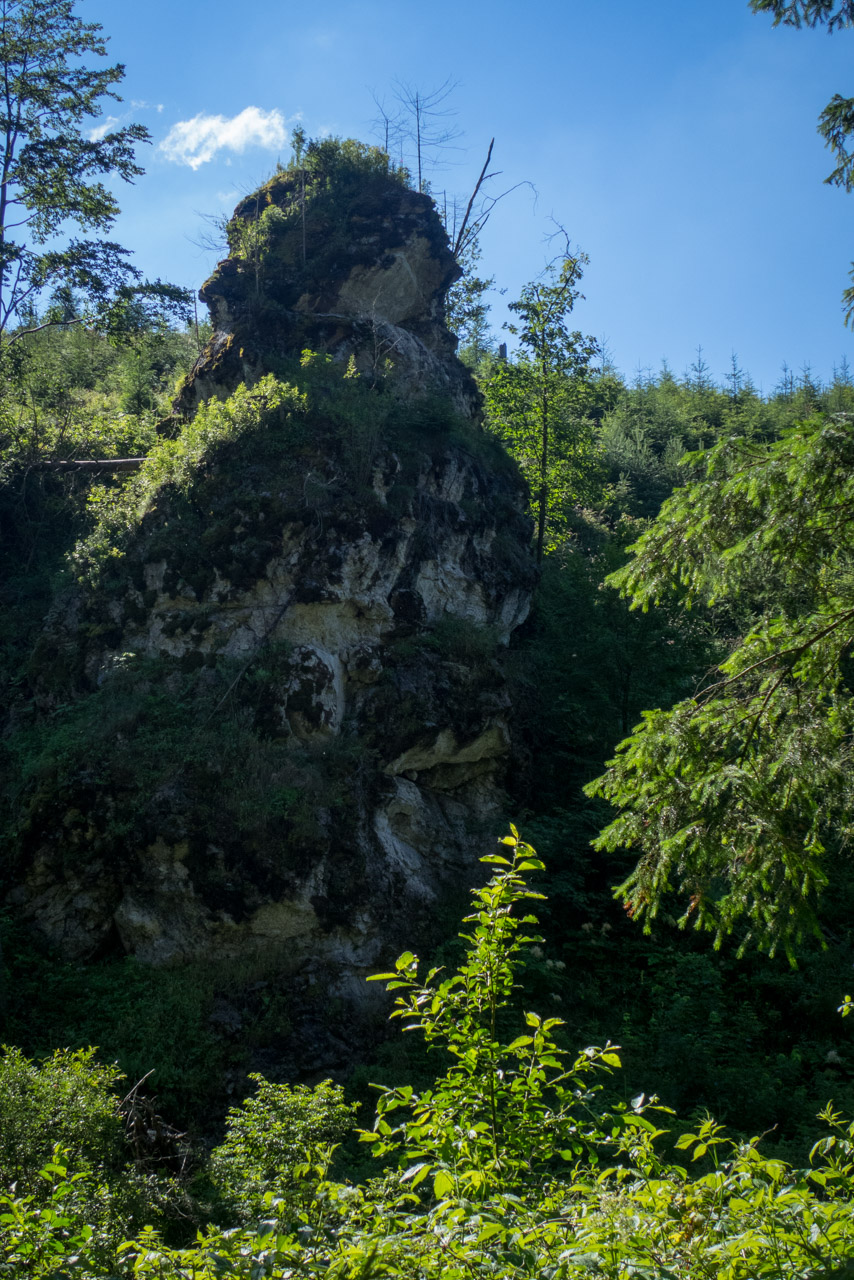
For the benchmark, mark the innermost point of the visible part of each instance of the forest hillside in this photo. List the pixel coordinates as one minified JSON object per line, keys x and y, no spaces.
{"x":342,"y":616}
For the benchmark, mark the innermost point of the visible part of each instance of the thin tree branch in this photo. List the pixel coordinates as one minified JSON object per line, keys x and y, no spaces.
{"x":459,"y":240}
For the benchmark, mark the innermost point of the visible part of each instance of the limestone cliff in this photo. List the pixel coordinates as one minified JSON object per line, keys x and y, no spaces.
{"x":343,"y":258}
{"x":277,"y":718}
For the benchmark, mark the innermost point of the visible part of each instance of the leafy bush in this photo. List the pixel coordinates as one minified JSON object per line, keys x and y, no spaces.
{"x":503,"y":1112}
{"x":151,"y":1021}
{"x":67,"y":1180}
{"x":274,"y":1139}
{"x":175,"y":463}
{"x":69,"y":1099}
{"x":509,"y":1166}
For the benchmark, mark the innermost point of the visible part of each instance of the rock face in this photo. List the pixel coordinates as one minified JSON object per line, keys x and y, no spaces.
{"x":282,"y":719}
{"x":354,"y":266}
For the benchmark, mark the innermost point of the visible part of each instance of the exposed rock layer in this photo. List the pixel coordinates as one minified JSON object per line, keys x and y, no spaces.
{"x":291,"y":724}
{"x":368,"y":280}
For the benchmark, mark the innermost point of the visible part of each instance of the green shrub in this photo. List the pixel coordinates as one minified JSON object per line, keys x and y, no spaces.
{"x":69,"y":1189}
{"x":509,"y":1166}
{"x":461,"y":640}
{"x":283,"y":1129}
{"x":175,"y":464}
{"x":70,"y":1100}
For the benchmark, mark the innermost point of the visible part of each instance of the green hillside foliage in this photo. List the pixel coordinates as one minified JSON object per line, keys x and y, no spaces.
{"x":500,"y":1150}
{"x":584,"y":668}
{"x":588,"y":666}
{"x":68,"y":394}
{"x":514,"y":1161}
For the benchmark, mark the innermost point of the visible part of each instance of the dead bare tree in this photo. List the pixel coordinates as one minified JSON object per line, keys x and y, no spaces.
{"x":424,"y":122}
{"x":387,"y":124}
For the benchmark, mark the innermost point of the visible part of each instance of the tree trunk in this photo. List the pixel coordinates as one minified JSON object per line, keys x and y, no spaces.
{"x":544,"y":460}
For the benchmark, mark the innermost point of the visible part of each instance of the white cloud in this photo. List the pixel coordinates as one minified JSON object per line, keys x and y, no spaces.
{"x":196,"y":141}
{"x":106,"y":126}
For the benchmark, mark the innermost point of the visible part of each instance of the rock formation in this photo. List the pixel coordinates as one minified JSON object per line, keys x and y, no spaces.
{"x":278,"y":718}
{"x":346,"y":260}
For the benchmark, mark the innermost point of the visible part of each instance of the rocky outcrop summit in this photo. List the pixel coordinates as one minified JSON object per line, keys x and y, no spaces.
{"x":278,"y":718}
{"x":353,"y":266}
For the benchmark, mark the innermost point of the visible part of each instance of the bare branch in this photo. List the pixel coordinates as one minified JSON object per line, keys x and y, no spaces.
{"x":420,"y":112}
{"x":477,"y":224}
{"x":389,"y":126}
{"x":460,"y":238}
{"x":215,"y":240}
{"x":47,"y":324}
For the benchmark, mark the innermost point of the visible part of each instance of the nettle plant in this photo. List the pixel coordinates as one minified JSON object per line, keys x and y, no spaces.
{"x":504,"y":1112}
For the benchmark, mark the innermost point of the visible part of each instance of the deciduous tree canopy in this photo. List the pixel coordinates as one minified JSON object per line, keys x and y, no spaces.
{"x":536,"y":402}
{"x":53,"y":169}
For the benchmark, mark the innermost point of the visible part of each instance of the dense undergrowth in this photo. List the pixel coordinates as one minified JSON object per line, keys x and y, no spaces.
{"x":513,"y":1162}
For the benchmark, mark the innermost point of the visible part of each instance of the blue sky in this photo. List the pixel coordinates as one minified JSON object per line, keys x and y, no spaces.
{"x":675,"y":140}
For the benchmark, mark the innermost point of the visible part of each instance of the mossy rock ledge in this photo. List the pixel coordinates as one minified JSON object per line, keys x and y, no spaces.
{"x":272,"y":717}
{"x":342,"y":257}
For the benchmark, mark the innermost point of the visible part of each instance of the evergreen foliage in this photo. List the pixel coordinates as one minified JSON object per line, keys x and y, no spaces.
{"x":505,"y":1153}
{"x":735,"y":795}
{"x":584,"y":670}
